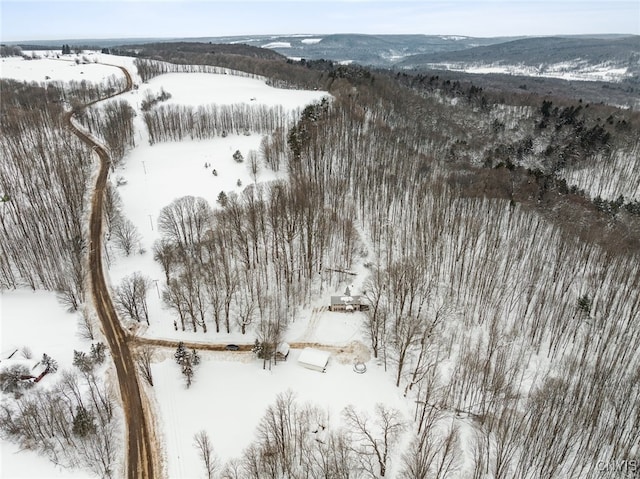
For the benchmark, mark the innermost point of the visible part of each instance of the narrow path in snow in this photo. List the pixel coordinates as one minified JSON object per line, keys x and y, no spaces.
{"x":313,"y":323}
{"x":141,"y":448}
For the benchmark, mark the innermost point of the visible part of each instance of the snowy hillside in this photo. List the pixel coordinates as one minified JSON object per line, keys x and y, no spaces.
{"x":401,"y":276}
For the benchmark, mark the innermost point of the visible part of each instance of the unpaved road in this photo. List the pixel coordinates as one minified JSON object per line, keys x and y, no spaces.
{"x":173,"y":343}
{"x":141,"y":453}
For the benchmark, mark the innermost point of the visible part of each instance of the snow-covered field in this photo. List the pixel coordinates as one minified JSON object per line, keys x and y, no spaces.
{"x":565,"y":71}
{"x":62,"y":69}
{"x":231,"y":392}
{"x":277,"y":45}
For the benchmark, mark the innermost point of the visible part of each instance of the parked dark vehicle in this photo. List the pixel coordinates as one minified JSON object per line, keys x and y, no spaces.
{"x":232,"y":347}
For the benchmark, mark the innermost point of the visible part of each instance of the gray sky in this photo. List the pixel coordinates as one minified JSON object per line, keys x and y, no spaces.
{"x":50,"y":20}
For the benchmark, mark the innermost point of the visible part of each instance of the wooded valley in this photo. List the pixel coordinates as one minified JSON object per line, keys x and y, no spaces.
{"x":500,"y":233}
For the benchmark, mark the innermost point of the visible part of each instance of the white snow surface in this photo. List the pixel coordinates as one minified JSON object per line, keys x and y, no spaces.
{"x":574,"y":70}
{"x":277,"y":45}
{"x":231,"y":392}
{"x":36,"y":320}
{"x":206,"y":88}
{"x":63,"y":69}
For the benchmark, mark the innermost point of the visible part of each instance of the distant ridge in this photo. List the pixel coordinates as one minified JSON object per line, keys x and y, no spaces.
{"x":404,"y":51}
{"x":541,"y":50}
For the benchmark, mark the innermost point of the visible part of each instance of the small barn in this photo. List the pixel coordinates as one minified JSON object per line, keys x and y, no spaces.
{"x":315,"y":359}
{"x":348,"y":303}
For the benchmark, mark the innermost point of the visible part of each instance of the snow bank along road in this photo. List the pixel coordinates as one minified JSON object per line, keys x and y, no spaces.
{"x":141,"y":453}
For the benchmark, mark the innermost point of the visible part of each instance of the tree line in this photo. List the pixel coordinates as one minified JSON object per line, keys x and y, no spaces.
{"x":43,"y":176}
{"x":44,"y":179}
{"x":148,"y":69}
{"x":177,"y":122}
{"x":495,"y":304}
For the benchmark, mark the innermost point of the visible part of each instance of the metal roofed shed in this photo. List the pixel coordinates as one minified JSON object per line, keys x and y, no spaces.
{"x":314,"y":359}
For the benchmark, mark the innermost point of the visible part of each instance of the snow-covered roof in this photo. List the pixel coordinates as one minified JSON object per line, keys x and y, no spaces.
{"x":314,"y":357}
{"x":345,"y":300}
{"x":283,"y":349}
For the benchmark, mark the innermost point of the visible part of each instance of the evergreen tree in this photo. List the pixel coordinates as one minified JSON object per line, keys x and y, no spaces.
{"x":83,"y":424}
{"x":98,"y":352}
{"x":257,"y":348}
{"x":195,"y":357}
{"x":12,"y":378}
{"x":50,"y":364}
{"x":188,"y":361}
{"x":222,"y":199}
{"x":187,"y":371}
{"x":584,"y":304}
{"x":83,"y":362}
{"x":181,"y":353}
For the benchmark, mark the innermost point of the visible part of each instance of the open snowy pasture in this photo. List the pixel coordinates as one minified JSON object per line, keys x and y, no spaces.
{"x":35,"y":322}
{"x":156,"y":175}
{"x":204,"y":88}
{"x":231,"y":392}
{"x":63,"y":69}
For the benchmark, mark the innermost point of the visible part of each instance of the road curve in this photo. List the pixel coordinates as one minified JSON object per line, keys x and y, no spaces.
{"x":141,"y":460}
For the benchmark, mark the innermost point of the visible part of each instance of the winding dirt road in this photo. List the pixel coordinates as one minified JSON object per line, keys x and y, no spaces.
{"x":141,"y":453}
{"x":142,"y":456}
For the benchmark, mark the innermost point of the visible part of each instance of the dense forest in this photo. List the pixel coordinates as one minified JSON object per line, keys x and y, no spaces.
{"x":500,"y":232}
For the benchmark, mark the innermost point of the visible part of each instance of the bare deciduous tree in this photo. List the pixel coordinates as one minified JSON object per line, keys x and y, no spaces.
{"x":185,"y":222}
{"x":86,"y":324}
{"x":253,"y":164}
{"x":144,"y":358}
{"x":373,"y":443}
{"x":125,"y":235}
{"x":131,"y":296}
{"x":203,"y":445}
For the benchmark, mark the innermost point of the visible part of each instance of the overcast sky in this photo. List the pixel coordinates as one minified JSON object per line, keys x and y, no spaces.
{"x":50,"y":20}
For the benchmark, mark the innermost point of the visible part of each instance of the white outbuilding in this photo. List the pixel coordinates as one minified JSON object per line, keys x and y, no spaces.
{"x":315,"y":359}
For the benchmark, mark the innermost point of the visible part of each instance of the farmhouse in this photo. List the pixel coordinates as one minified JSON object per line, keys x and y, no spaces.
{"x":348,"y":303}
{"x":314,"y":359}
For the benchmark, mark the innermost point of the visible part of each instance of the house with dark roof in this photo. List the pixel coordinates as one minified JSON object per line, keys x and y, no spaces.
{"x":348,"y":303}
